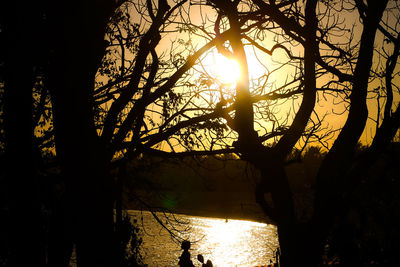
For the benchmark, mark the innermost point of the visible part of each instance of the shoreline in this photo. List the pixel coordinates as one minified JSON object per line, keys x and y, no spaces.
{"x":221,"y":205}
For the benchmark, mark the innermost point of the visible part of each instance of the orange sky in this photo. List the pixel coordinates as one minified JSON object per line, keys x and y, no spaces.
{"x":330,"y":106}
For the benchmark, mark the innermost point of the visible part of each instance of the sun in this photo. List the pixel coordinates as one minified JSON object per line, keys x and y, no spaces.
{"x":226,"y":70}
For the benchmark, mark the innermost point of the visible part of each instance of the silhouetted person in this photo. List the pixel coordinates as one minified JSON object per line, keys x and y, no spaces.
{"x":200,"y":258}
{"x":208,"y":264}
{"x":184,"y":259}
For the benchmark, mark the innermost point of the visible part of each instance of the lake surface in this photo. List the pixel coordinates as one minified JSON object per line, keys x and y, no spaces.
{"x":224,"y":242}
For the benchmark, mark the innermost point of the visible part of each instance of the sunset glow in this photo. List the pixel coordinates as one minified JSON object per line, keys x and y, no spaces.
{"x":226,"y":70}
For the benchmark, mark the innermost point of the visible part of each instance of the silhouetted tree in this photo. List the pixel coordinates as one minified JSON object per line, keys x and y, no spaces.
{"x":336,"y":173}
{"x":334,"y":62}
{"x":88,"y":136}
{"x":22,"y":221}
{"x":118,"y":91}
{"x":95,"y":124}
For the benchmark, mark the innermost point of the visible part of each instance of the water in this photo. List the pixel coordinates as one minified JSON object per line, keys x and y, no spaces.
{"x":225,"y":243}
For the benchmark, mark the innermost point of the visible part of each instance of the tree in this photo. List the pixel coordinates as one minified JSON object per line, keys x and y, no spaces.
{"x":117,"y":92}
{"x":311,"y":27}
{"x":333,"y":62}
{"x":88,"y":136}
{"x":17,"y":80}
{"x":85,"y":146}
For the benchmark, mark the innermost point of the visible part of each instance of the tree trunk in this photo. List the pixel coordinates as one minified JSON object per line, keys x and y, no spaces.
{"x":78,"y":47}
{"x":24,"y":223}
{"x":332,"y":175}
{"x":291,"y":234}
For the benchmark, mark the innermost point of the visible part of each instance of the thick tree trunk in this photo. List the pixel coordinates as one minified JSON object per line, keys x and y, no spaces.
{"x":24,"y":223}
{"x":284,"y":211}
{"x":84,"y":168}
{"x":60,"y":240}
{"x":331,"y":178}
{"x":78,"y":47}
{"x":292,"y":235}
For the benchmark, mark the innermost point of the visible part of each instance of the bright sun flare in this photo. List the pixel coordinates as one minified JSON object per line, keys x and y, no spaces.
{"x":227,"y":71}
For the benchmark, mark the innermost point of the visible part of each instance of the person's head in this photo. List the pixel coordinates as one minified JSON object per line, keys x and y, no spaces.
{"x":200,"y":258}
{"x":185,"y":245}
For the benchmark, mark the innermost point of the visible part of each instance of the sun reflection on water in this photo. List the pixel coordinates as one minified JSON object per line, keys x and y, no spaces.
{"x":234,"y":242}
{"x":224,"y":242}
{"x":225,"y":233}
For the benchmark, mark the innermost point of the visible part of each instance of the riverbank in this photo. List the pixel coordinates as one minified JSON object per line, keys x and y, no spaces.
{"x":226,"y":205}
{"x":219,"y":187}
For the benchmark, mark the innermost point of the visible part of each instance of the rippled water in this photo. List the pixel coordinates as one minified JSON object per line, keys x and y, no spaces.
{"x":225,"y":243}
